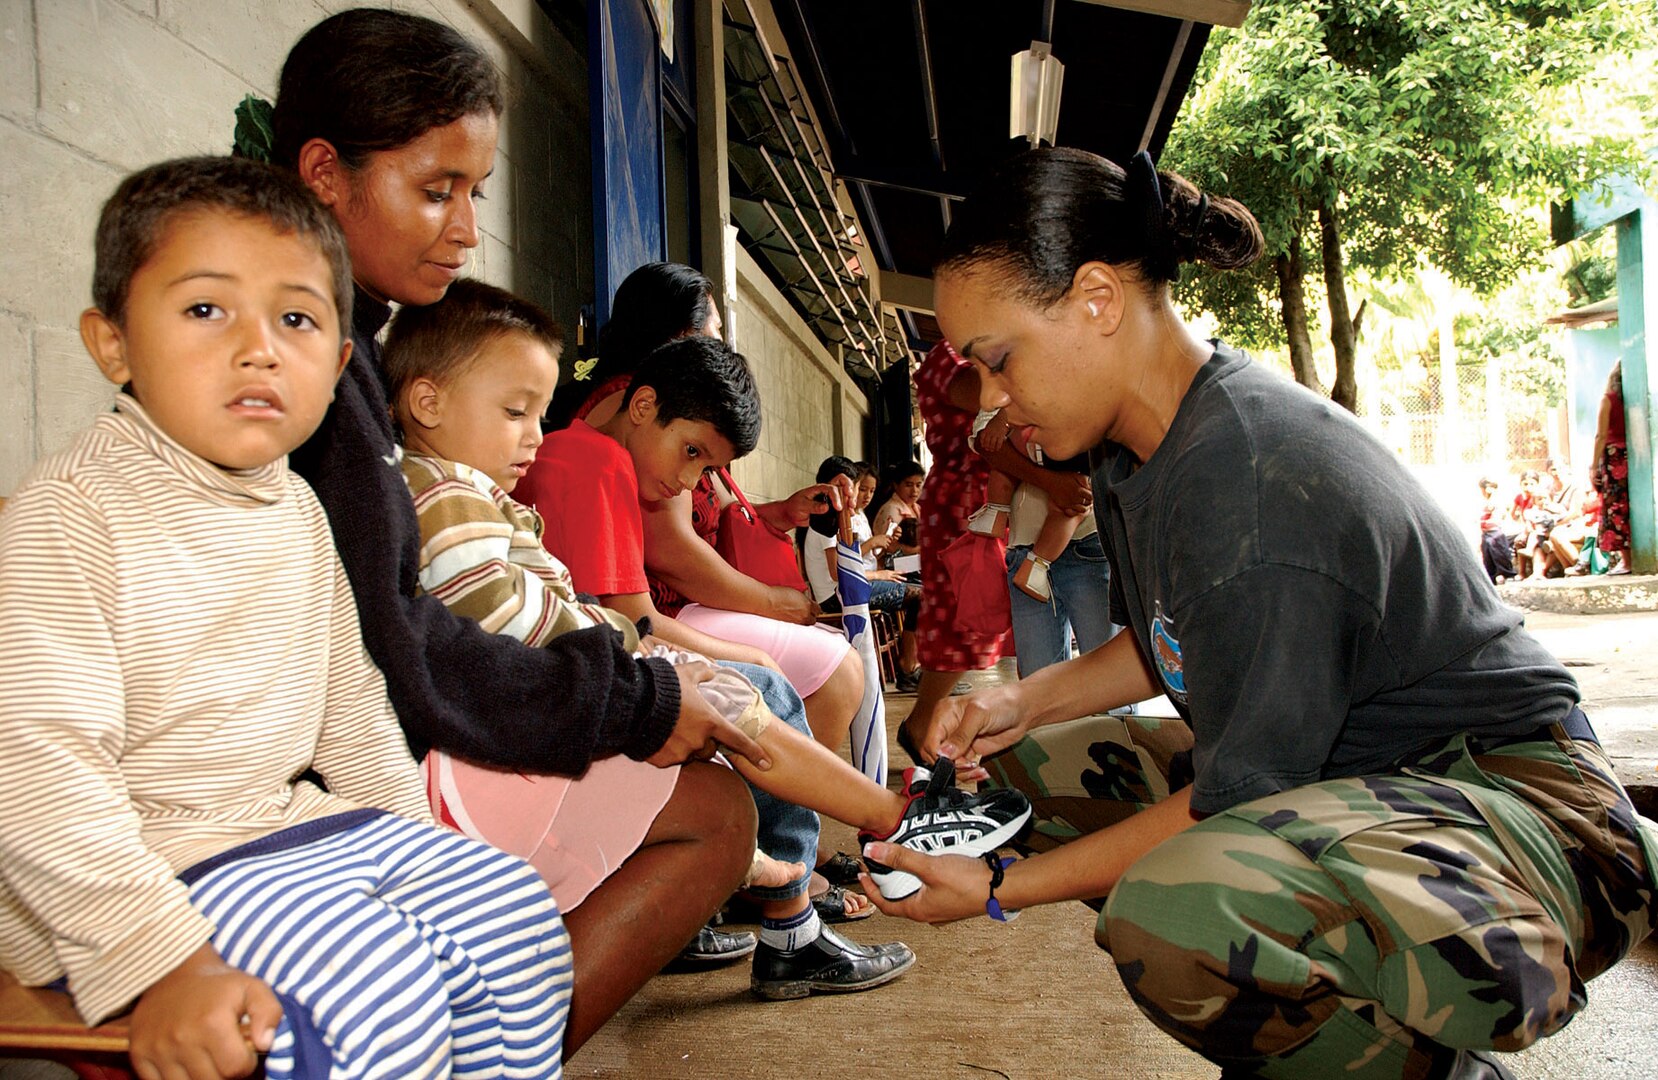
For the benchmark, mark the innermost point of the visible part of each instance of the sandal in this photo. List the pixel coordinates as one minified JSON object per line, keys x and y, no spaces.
{"x":832,"y":906}
{"x":1032,"y":578}
{"x":841,"y":869}
{"x":990,"y":519}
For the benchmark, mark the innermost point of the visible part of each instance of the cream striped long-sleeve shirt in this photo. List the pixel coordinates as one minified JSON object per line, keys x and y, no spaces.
{"x":180,"y":642}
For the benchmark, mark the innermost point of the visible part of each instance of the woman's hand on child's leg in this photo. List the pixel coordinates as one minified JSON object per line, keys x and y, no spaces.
{"x":203,"y":1020}
{"x":701,"y":725}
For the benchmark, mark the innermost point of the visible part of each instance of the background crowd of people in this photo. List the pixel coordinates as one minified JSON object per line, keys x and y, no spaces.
{"x":1542,"y":525}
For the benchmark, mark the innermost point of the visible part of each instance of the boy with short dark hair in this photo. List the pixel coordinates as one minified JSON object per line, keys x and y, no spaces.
{"x":181,"y":643}
{"x":469,"y":429}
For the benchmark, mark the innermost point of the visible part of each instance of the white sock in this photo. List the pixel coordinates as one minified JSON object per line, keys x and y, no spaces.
{"x":793,"y":932}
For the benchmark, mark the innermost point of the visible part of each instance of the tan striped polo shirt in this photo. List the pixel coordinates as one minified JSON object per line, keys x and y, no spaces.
{"x":481,"y":554}
{"x":180,"y":642}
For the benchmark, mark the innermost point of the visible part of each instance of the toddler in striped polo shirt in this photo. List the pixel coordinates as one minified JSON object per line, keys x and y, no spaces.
{"x":182,"y":649}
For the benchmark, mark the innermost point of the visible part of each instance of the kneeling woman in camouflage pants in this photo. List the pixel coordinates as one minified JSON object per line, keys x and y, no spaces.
{"x":1381,"y":839}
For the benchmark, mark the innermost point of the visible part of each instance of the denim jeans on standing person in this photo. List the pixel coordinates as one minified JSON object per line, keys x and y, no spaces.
{"x":1080,"y":580}
{"x":788,"y":833}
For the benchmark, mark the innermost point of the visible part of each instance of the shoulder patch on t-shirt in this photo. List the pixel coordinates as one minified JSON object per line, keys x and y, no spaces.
{"x":1165,"y":649}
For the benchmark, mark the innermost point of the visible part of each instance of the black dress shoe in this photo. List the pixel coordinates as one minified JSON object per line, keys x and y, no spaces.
{"x":830,"y":963}
{"x":712,"y":946}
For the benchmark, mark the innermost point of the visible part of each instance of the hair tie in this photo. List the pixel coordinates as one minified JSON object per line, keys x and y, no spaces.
{"x":255,"y":136}
{"x":1144,"y":195}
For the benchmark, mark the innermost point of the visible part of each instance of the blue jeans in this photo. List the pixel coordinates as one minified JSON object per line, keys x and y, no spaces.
{"x":787,"y":832}
{"x":1080,"y":580}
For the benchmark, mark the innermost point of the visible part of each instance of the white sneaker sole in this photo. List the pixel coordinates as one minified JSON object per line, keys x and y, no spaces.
{"x":899,"y":884}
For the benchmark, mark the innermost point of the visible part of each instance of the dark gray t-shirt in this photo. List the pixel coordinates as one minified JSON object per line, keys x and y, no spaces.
{"x":1310,"y":610}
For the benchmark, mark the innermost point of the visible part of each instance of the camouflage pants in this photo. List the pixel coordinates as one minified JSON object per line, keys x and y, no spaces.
{"x":1362,"y":927}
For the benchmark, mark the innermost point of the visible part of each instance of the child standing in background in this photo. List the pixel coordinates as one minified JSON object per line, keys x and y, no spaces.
{"x":990,"y":433}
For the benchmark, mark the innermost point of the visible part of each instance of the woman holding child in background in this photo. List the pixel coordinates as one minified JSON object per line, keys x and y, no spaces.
{"x":392,"y":121}
{"x":947,"y":393}
{"x":1381,"y":838}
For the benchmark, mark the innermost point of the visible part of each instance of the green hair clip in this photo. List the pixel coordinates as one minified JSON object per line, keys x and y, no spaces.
{"x":255,"y":133}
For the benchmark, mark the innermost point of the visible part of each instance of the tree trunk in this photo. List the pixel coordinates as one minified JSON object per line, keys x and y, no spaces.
{"x":1342,"y":330}
{"x":1293,"y":308}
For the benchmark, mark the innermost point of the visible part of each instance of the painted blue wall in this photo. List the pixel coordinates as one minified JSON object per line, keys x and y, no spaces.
{"x":625,"y":101}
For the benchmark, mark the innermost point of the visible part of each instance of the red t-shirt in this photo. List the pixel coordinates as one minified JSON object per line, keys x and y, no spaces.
{"x":584,"y":487}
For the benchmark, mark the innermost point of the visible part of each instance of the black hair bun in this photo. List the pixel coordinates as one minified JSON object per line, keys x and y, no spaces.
{"x":1217,"y":231}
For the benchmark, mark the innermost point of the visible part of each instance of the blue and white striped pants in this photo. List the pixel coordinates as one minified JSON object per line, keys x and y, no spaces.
{"x":397,"y":950}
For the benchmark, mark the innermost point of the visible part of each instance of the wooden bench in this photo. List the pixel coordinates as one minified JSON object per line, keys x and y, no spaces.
{"x":43,"y":1024}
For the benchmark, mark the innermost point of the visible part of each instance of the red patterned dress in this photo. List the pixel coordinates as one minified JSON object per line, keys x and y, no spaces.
{"x":1612,"y":473}
{"x":955,"y":488}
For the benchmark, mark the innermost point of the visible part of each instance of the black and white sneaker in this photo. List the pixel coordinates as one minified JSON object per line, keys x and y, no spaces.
{"x":942,"y":819}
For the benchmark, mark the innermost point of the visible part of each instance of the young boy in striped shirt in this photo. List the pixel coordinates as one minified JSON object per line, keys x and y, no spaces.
{"x":181,"y":644}
{"x":470,"y":377}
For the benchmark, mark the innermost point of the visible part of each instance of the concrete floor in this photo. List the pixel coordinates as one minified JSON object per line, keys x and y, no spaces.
{"x":1036,"y":999}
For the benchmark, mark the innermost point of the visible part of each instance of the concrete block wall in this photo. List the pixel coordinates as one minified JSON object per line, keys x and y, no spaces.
{"x":810,"y":408}
{"x":92,"y":89}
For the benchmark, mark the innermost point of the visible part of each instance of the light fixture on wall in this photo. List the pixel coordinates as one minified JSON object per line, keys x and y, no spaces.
{"x":1033,"y":104}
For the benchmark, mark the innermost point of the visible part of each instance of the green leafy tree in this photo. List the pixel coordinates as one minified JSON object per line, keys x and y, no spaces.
{"x":1370,"y":134}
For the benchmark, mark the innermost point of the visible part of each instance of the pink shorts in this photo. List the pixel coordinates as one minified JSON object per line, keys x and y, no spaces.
{"x":575,"y":832}
{"x":808,"y":655}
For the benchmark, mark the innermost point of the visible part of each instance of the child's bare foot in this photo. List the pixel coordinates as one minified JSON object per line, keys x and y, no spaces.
{"x":768,"y":873}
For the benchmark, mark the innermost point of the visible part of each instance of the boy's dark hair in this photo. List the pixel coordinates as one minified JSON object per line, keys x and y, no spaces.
{"x":134,"y":218}
{"x":703,"y":378}
{"x":369,"y":80}
{"x":439,"y":341}
{"x":895,"y":475}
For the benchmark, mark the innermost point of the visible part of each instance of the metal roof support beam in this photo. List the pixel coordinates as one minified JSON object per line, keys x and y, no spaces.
{"x":713,"y":168}
{"x":878,"y":174}
{"x":929,"y":95}
{"x":1213,"y":12}
{"x":1176,"y":51}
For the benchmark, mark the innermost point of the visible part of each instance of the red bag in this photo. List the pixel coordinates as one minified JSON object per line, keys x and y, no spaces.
{"x":977,"y":566}
{"x":749,"y":543}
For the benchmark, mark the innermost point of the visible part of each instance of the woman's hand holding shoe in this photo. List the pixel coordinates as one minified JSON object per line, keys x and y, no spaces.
{"x":952,"y":886}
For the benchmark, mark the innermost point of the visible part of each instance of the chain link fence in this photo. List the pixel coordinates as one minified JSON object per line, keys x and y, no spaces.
{"x":1483,"y":422}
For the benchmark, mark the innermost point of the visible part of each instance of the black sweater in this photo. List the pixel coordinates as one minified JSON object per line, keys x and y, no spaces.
{"x":480,"y":696}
